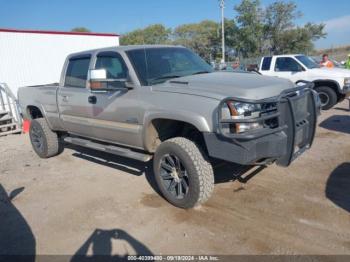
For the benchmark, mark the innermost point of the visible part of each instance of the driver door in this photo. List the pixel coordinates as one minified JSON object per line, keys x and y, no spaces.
{"x":288,"y":67}
{"x":115,"y":112}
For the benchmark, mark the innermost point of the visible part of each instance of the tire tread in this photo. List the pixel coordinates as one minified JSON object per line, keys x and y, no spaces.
{"x":54,"y":146}
{"x":201,"y":164}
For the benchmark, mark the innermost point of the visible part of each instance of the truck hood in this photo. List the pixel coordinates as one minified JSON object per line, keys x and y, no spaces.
{"x":329,"y":73}
{"x":219,"y":85}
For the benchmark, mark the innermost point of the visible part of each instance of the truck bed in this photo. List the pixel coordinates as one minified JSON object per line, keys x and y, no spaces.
{"x":40,"y":96}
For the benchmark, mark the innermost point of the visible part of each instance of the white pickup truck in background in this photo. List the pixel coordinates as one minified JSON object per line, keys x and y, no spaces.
{"x":332,"y":84}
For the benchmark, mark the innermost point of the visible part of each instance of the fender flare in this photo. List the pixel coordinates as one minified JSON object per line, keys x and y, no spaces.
{"x":42,"y":110}
{"x":191,"y":118}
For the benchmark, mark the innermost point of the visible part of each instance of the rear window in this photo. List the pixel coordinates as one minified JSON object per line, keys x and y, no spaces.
{"x":266,"y":64}
{"x":77,"y":72}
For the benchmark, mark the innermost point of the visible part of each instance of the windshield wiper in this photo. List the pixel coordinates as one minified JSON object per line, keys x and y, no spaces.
{"x":155,"y":80}
{"x":201,"y":72}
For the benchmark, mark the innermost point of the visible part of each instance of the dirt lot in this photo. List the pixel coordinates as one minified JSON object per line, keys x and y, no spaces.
{"x":85,"y":202}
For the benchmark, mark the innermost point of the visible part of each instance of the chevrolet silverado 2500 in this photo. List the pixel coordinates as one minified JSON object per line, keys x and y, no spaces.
{"x":166,"y":103}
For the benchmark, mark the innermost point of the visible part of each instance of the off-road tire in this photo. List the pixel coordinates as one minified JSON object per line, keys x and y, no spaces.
{"x":51,"y":143}
{"x":199,"y":170}
{"x":329,"y":94}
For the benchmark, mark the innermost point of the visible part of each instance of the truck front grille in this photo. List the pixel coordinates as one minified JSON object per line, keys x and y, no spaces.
{"x":269,"y":109}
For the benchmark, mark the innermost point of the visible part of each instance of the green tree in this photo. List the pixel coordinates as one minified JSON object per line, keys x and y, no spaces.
{"x":203,"y":37}
{"x":250,"y":28}
{"x":80,"y":29}
{"x":299,"y":39}
{"x":231,"y":33}
{"x":281,"y":34}
{"x":272,"y":30}
{"x":153,"y":34}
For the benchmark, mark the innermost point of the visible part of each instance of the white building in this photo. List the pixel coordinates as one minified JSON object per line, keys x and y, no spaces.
{"x":29,"y":57}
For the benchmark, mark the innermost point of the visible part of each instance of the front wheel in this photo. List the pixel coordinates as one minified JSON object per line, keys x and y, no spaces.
{"x":327,"y":96}
{"x":183,"y":174}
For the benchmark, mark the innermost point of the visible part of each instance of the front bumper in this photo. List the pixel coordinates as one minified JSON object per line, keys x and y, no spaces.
{"x":296,"y":118}
{"x":345,"y":90}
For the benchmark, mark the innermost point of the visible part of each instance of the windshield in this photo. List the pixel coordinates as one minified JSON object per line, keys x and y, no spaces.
{"x":307,"y":61}
{"x":157,"y":65}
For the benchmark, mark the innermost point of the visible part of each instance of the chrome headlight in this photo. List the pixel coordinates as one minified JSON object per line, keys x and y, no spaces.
{"x":241,"y":111}
{"x":347,"y":81}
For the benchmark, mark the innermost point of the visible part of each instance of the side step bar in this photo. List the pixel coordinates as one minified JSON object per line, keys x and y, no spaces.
{"x":14,"y":131}
{"x":115,"y":150}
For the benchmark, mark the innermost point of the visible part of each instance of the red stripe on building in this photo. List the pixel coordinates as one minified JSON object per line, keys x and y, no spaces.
{"x":56,"y":32}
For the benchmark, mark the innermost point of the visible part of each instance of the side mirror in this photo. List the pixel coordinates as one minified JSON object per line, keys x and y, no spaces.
{"x":99,"y":81}
{"x":98,"y":74}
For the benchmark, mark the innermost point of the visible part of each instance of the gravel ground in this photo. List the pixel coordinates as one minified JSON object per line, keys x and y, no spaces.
{"x":86,"y":202}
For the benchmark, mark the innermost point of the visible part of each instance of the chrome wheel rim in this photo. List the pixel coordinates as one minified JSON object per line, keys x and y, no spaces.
{"x":174,"y":176}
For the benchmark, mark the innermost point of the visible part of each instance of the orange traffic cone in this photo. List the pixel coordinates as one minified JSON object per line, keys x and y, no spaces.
{"x":26,"y":126}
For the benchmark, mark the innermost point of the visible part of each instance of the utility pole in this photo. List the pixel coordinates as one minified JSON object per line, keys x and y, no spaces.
{"x":222,"y":6}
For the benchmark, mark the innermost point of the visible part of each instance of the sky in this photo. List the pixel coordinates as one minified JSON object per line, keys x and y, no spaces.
{"x":121,"y":16}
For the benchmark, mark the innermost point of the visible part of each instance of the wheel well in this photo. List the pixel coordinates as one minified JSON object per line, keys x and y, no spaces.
{"x":329,"y":84}
{"x":160,"y":130}
{"x":34,"y":112}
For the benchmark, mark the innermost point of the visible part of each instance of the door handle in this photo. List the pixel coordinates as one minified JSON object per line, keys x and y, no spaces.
{"x":92,"y":99}
{"x":64,"y":98}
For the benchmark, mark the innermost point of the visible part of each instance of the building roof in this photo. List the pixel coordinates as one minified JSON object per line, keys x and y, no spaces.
{"x":55,"y":32}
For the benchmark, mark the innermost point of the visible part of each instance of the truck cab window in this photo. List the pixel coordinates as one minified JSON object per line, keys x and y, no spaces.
{"x":77,"y":72}
{"x":266,"y":64}
{"x":287,"y":64}
{"x":113,"y":63}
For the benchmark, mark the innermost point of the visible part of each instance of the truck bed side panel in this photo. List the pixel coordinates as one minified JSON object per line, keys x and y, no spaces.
{"x":45,"y":99}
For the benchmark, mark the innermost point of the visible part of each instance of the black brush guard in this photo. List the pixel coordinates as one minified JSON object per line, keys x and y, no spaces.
{"x":296,"y":115}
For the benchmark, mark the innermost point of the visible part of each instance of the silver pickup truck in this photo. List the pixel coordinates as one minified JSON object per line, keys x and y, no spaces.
{"x":166,"y":103}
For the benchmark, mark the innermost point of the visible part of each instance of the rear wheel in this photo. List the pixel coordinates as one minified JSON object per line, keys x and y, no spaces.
{"x":183,"y":174}
{"x":45,"y":142}
{"x":327,"y":96}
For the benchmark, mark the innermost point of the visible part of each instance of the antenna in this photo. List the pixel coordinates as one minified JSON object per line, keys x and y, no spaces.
{"x":222,"y":6}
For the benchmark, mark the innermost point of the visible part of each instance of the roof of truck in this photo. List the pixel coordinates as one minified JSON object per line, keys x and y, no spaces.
{"x":133,"y":47}
{"x":284,"y":55}
{"x":124,"y":48}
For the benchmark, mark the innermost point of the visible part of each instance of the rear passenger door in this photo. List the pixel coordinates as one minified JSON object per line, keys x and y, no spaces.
{"x":72,"y":97}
